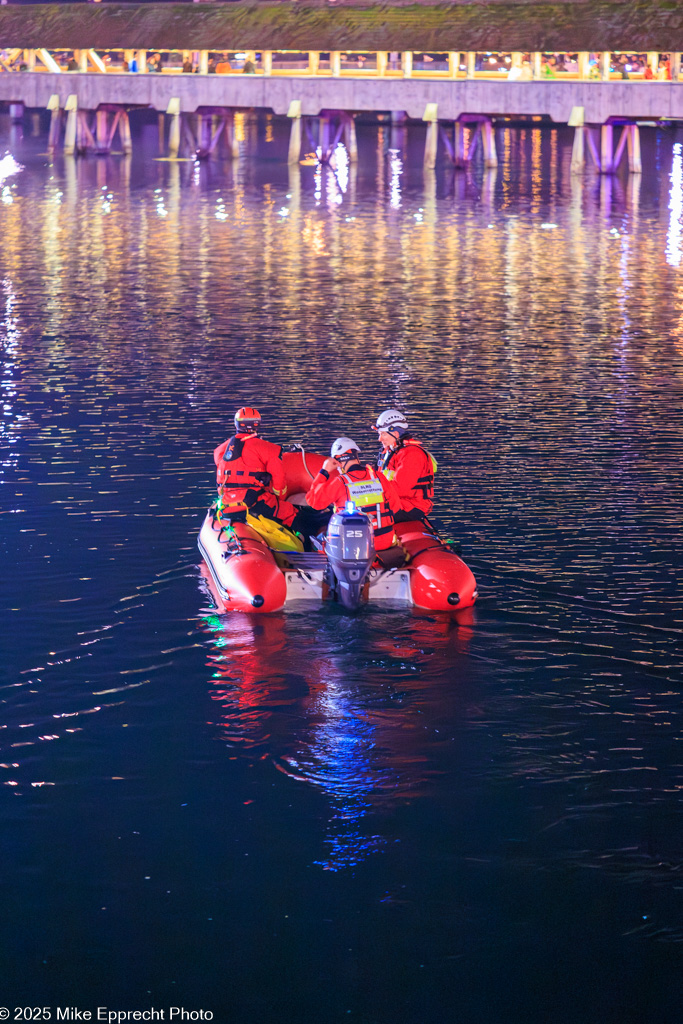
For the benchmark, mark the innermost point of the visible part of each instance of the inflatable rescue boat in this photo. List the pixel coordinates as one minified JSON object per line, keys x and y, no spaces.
{"x":260,"y":566}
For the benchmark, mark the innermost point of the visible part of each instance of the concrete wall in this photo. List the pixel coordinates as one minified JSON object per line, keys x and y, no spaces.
{"x":601,"y":100}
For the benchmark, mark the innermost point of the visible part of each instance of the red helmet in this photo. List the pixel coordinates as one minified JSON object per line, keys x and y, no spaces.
{"x":247,"y":420}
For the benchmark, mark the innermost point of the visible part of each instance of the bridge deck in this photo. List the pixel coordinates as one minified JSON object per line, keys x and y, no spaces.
{"x":555,"y":98}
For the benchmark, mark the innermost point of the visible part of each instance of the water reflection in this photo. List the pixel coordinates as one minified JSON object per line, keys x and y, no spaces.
{"x":496,"y":784}
{"x":396,"y":167}
{"x":345,"y":707}
{"x":673,"y":238}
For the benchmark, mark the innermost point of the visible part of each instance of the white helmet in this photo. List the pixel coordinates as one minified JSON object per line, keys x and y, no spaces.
{"x":343,"y":446}
{"x":391,"y":419}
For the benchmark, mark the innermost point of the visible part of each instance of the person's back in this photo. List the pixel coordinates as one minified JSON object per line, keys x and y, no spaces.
{"x":246,"y":456}
{"x":247,"y":466}
{"x":343,"y":478}
{"x":250,"y":477}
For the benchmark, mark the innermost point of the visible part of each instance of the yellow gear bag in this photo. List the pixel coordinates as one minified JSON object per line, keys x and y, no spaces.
{"x":276,"y":536}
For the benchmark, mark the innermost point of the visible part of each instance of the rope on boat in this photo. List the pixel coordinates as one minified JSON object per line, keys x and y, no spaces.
{"x":300,"y":447}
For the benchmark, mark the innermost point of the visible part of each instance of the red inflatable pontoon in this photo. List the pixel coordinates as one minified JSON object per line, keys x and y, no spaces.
{"x":251,"y":573}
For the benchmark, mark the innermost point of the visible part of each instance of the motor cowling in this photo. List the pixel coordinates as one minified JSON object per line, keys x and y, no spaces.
{"x":350,"y":549}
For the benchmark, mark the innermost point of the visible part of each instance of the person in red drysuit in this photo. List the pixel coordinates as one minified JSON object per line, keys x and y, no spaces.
{"x":343,"y":478}
{"x":249,"y":473}
{"x":408,"y":464}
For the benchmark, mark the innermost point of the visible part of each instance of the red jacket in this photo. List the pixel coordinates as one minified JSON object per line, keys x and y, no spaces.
{"x":247,"y":463}
{"x":411,"y":468}
{"x":336,"y":489}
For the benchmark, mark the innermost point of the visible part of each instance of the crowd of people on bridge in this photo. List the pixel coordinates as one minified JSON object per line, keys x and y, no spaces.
{"x":520,"y":67}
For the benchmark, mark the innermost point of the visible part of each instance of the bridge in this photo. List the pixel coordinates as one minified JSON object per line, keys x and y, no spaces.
{"x":521,"y":60}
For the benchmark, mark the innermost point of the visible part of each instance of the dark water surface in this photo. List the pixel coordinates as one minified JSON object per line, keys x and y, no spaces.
{"x":311,"y":817}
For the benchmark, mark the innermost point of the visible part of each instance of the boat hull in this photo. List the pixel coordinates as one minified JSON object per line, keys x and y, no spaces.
{"x":242,"y":567}
{"x":439,"y":580}
{"x":247,"y":577}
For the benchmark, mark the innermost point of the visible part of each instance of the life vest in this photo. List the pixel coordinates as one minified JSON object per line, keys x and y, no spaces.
{"x":368,"y":496}
{"x":422,"y":490}
{"x":238,"y":485}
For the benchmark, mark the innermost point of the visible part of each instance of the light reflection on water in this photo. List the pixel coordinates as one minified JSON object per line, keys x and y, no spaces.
{"x":530,"y":323}
{"x":358,"y":738}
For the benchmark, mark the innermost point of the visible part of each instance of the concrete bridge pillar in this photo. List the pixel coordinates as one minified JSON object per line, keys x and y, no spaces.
{"x":203,"y":62}
{"x":335,"y":63}
{"x":206,"y":131}
{"x":142,"y":61}
{"x":576,"y":121}
{"x":584,"y":58}
{"x":267,"y":62}
{"x":407,"y":63}
{"x":124,"y":133}
{"x":71,"y":123}
{"x":231,"y":141}
{"x":16,"y":112}
{"x":313,"y":62}
{"x":578,"y":152}
{"x":453,"y":63}
{"x":84,"y":137}
{"x":489,"y":137}
{"x":606,"y":148}
{"x":470,"y":64}
{"x":102,"y":131}
{"x":607,"y":158}
{"x":653,"y":62}
{"x":536,"y":65}
{"x":350,"y":138}
{"x":55,"y":123}
{"x":174,"y":135}
{"x":324,"y":138}
{"x":382,"y":61}
{"x":53,"y":134}
{"x":633,"y":142}
{"x":30,"y":59}
{"x":675,"y":66}
{"x":605,"y":65}
{"x":81,"y":59}
{"x":432,"y":140}
{"x":294,"y":113}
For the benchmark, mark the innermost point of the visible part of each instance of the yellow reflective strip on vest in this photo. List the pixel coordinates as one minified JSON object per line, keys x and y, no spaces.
{"x":367,"y":492}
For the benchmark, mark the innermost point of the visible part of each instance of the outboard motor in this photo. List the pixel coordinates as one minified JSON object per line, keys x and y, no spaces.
{"x":350,"y":548}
